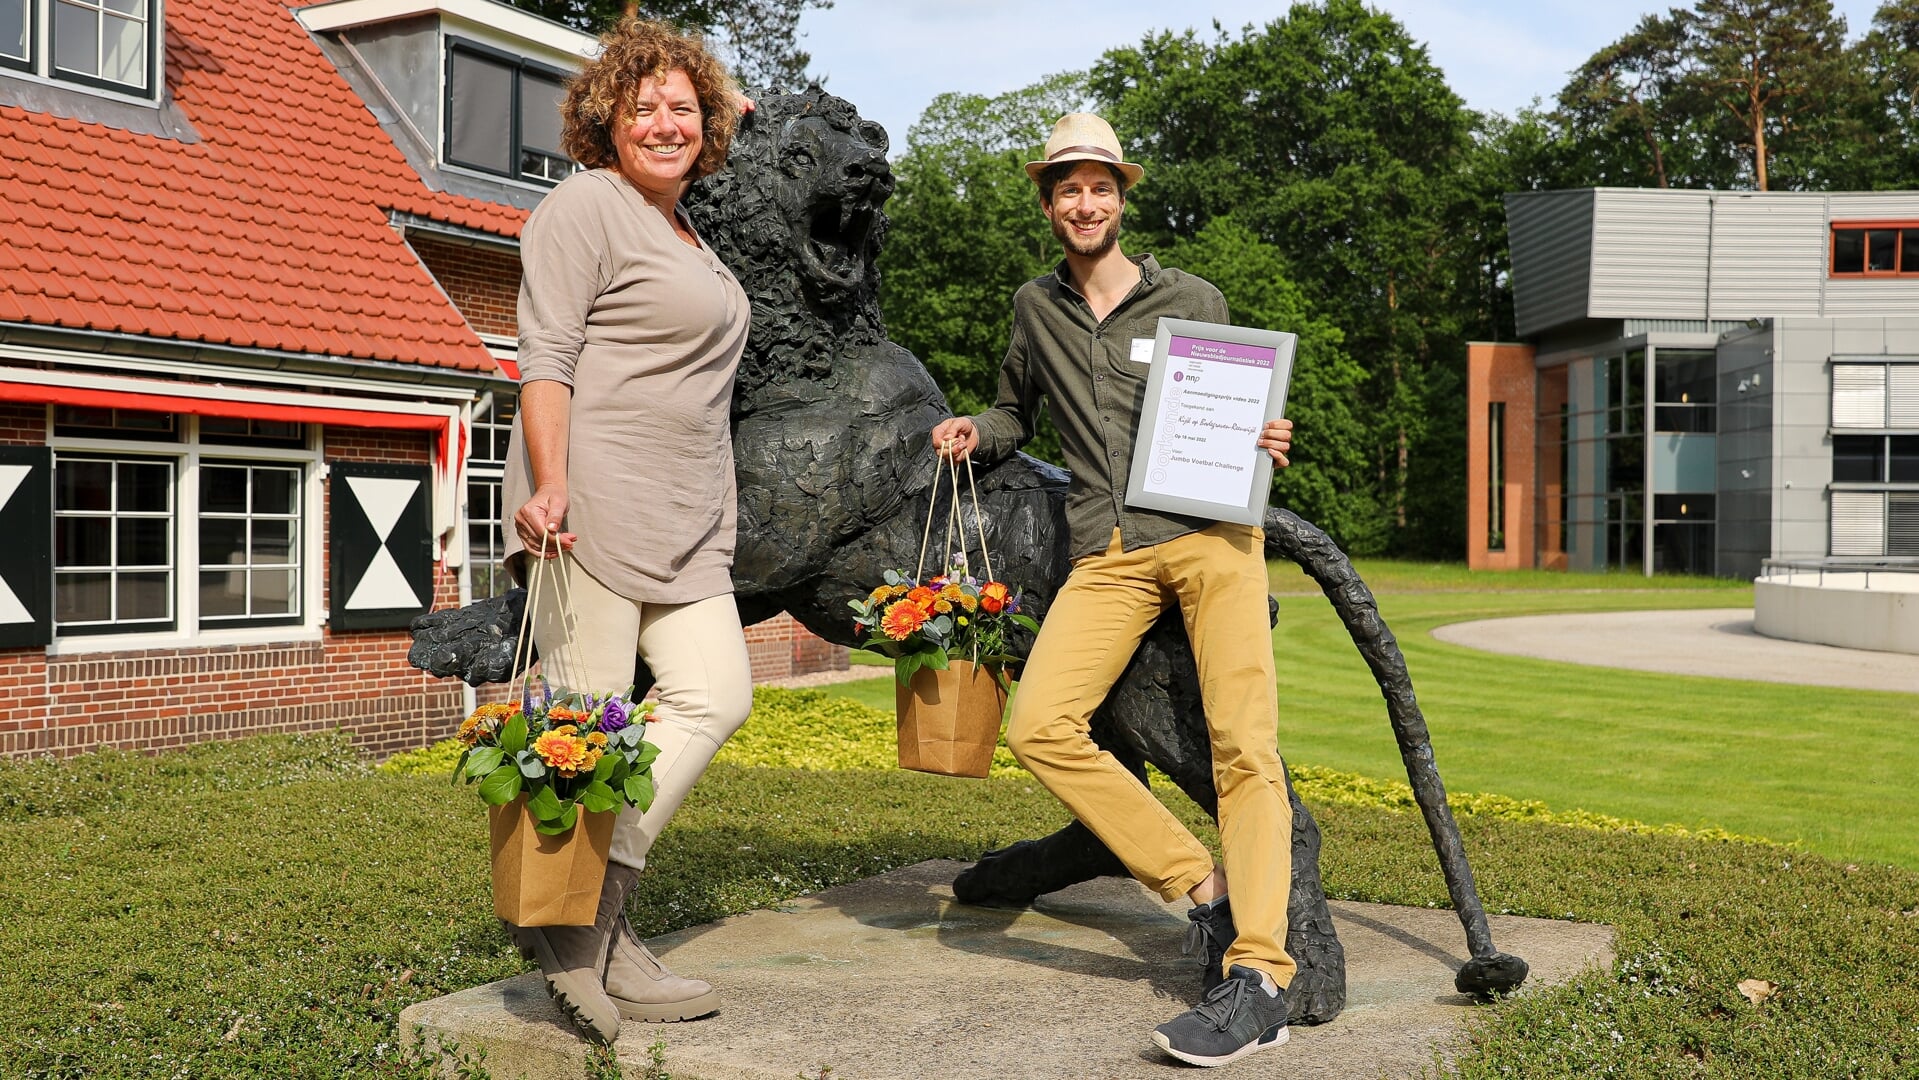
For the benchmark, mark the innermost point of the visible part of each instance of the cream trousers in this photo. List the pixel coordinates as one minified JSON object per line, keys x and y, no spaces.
{"x":697,"y":653}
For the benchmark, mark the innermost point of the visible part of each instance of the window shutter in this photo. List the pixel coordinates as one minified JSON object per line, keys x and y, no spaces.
{"x":1902,"y":392}
{"x":1902,"y":523}
{"x":380,"y":545}
{"x":1859,"y":396}
{"x":26,"y":559}
{"x":1859,"y":523}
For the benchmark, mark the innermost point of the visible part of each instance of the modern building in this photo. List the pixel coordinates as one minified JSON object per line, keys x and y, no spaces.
{"x":258,"y":270}
{"x":1706,"y":382}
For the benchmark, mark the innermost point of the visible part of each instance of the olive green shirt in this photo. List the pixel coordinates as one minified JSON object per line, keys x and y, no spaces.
{"x":1085,"y":371}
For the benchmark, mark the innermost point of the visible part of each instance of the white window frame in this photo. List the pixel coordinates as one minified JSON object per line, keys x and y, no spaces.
{"x":1876,"y":398}
{"x":188,"y":453}
{"x":520,"y":65}
{"x":38,"y":65}
{"x":487,"y":471}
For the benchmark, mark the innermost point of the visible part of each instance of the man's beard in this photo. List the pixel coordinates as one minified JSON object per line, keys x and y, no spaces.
{"x":1091,"y":249}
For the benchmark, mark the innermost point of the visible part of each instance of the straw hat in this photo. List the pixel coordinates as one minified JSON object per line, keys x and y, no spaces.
{"x":1084,"y":137}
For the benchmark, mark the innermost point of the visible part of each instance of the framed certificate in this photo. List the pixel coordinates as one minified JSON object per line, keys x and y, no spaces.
{"x":1211,"y":388}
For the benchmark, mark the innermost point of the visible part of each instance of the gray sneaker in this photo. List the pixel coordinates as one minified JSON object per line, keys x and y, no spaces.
{"x":1211,"y":934}
{"x":1238,"y":1018}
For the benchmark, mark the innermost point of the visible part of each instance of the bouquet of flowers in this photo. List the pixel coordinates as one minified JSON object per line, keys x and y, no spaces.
{"x":562,"y":751}
{"x":951,"y":616}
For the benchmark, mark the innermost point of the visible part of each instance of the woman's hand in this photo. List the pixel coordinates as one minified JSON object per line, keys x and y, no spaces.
{"x":1276,"y":438}
{"x":538,"y":523}
{"x":956,"y":437}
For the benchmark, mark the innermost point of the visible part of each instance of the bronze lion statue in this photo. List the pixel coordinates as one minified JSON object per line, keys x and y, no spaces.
{"x":832,"y":446}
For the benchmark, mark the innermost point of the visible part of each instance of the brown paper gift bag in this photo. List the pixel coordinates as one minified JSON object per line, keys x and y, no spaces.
{"x":949,"y":720}
{"x":547,"y":880}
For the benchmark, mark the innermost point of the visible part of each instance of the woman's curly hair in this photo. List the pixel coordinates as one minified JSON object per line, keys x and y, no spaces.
{"x":604,"y":92}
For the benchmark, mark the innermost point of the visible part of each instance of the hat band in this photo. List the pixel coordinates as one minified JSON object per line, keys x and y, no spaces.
{"x":1098,"y":150}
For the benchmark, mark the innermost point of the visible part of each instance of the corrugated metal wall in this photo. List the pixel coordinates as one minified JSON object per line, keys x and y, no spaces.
{"x":1551,"y":238}
{"x":1649,"y":254}
{"x":1768,"y":255}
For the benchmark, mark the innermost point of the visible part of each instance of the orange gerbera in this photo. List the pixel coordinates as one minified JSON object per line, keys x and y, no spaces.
{"x":485,"y":720}
{"x":902,"y":619}
{"x":993,"y":596}
{"x":885,"y":592}
{"x":922,"y":598}
{"x":565,"y":753}
{"x":561,"y":714}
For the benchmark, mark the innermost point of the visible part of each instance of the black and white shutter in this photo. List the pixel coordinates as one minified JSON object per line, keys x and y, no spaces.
{"x":381,"y":545}
{"x":26,"y":559}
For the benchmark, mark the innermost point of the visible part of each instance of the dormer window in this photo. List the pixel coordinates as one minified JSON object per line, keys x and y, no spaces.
{"x":503,"y":114}
{"x":106,"y":44}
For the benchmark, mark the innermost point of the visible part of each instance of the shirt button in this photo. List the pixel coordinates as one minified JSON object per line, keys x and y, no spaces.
{"x":1115,"y":453}
{"x":1099,"y":378}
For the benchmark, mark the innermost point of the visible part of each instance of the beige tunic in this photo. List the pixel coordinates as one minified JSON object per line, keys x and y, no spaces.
{"x":648,"y":332}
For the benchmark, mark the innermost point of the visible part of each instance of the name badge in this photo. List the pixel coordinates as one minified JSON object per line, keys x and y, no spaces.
{"x":1143,"y":350}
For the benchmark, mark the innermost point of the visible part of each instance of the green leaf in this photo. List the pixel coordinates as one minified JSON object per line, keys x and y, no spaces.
{"x":560,"y":825}
{"x":1027,"y":621}
{"x":893,"y":577}
{"x":513,"y":736}
{"x":501,"y":786}
{"x":544,"y":804}
{"x":906,"y":666}
{"x":604,"y":768}
{"x":459,"y":767}
{"x":639,"y":790}
{"x":935,"y":660}
{"x":530,"y":764}
{"x":483,"y":760}
{"x":647,"y":755}
{"x":599,"y":798}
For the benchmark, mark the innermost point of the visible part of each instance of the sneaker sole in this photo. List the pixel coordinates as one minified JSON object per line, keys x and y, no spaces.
{"x":1279,"y":1033}
{"x":671,"y":1012}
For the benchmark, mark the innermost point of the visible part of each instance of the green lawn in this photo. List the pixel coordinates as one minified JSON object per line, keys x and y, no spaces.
{"x":1830,"y":769}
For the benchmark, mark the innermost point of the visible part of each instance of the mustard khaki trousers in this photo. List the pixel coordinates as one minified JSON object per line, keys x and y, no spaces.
{"x":697,"y":653}
{"x":1217,"y":577}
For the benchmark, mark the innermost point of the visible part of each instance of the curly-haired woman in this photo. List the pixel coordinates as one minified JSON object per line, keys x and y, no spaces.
{"x":630,"y":333}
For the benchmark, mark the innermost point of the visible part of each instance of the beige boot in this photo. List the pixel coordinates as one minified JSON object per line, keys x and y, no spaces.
{"x":573,"y":959}
{"x":638,"y":984}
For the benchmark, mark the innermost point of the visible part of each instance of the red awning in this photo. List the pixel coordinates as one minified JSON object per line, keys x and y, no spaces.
{"x":344,"y":415}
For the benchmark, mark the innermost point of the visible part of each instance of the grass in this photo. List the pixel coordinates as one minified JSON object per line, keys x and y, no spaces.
{"x":1826,"y":768}
{"x":266,"y":908}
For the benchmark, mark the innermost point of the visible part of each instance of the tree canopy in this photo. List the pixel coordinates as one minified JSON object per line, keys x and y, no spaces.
{"x":759,"y":38}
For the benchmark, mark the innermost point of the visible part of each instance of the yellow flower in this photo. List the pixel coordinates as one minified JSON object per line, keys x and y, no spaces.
{"x":485,"y":720}
{"x":952,"y":592}
{"x":942,"y":606}
{"x":597,"y":738}
{"x":968,"y":602}
{"x":962,"y":620}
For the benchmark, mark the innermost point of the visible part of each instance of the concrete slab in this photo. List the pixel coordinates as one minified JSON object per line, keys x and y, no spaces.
{"x":890,"y":979}
{"x":1719,"y":642}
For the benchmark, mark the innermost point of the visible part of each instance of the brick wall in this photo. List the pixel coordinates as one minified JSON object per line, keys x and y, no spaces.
{"x":484,"y":284}
{"x":23,"y":425}
{"x":149,"y":699}
{"x":780,"y":647}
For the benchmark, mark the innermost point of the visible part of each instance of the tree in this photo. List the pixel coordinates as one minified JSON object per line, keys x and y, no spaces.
{"x":1885,"y":153}
{"x":1634,"y":115}
{"x":1329,"y":135}
{"x":966,"y":232}
{"x":759,"y":38}
{"x":1770,"y":64}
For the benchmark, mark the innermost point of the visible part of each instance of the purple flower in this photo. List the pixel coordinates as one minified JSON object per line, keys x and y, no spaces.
{"x":615,"y":717}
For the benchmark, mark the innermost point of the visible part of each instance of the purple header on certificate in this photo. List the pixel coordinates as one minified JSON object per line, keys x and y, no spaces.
{"x":1225,"y":352}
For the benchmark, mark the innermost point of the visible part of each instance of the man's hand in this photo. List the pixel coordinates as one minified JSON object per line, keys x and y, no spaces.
{"x":538,"y":523}
{"x":956,"y":438}
{"x":1276,"y":438}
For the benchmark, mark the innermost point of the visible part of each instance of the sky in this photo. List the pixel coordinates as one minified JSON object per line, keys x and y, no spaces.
{"x":892,"y":57}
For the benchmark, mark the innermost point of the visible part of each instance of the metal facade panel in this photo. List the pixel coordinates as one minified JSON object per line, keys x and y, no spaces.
{"x":1874,"y":205}
{"x":1859,"y":395}
{"x":1859,"y":523}
{"x":1872,"y":296}
{"x":1768,"y":255}
{"x":1649,"y":254}
{"x":1550,"y":235}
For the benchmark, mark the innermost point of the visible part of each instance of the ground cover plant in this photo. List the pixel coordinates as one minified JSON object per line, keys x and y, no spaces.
{"x":266,"y":908}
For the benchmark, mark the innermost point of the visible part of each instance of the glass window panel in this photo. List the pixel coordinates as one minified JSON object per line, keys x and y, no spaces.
{"x":272,"y":542}
{"x":83,"y":541}
{"x":223,"y":593}
{"x":1858,"y":459}
{"x":123,"y":51}
{"x":1882,"y":249}
{"x":540,"y":101}
{"x":1902,"y":460}
{"x":223,"y":489}
{"x":83,"y":485}
{"x":143,"y":596}
{"x":144,"y":542}
{"x":1909,"y":251}
{"x":83,"y":597}
{"x":273,"y":491}
{"x":145,"y":486}
{"x":135,"y":8}
{"x":273,"y":592}
{"x":481,"y":106}
{"x":1848,"y":251}
{"x":222,"y":541}
{"x":76,"y":39}
{"x":13,"y":29}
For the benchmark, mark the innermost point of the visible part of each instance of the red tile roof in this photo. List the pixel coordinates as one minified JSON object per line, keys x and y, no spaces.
{"x":270,"y":233}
